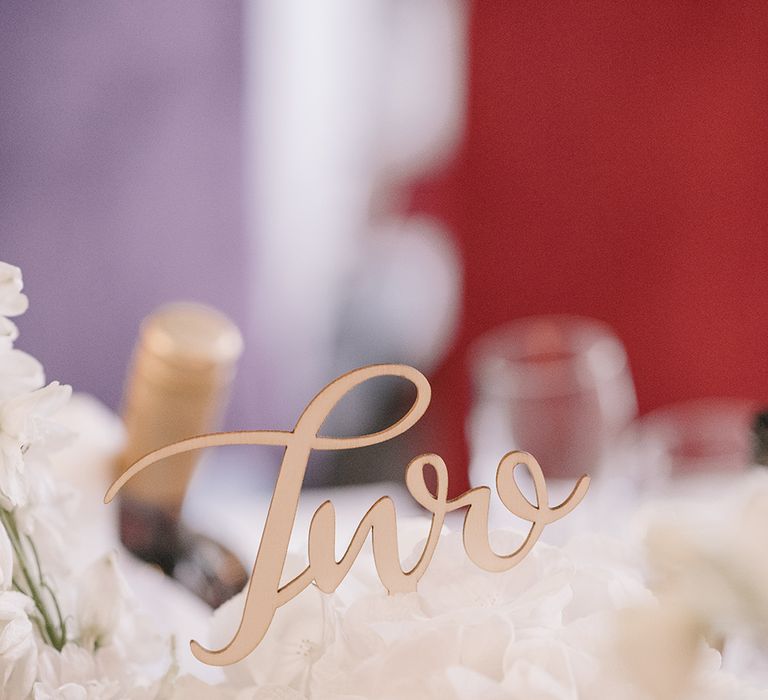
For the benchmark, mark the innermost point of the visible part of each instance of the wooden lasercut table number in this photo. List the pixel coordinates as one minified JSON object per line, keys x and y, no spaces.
{"x":265,"y":594}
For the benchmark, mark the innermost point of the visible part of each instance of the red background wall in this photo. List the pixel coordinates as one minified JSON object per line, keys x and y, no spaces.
{"x":615,"y":165}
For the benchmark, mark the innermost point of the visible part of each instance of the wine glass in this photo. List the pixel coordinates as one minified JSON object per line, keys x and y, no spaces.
{"x":558,"y":387}
{"x":689,"y":446}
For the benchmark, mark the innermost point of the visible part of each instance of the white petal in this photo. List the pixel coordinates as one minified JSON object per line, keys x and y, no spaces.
{"x":19,"y":373}
{"x":6,"y":560}
{"x":12,"y":301}
{"x":8,"y":333}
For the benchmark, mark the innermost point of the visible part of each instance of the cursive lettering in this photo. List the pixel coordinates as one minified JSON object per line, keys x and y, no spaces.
{"x":265,"y":595}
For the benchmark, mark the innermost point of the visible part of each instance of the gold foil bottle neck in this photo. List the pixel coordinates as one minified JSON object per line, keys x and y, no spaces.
{"x":188,"y":345}
{"x":187,"y":333}
{"x":183,"y":365}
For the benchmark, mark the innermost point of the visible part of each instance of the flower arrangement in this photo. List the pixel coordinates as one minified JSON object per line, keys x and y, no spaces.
{"x":63,"y":634}
{"x":572,"y":622}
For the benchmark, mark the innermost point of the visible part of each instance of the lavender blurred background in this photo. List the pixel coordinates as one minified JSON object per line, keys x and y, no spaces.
{"x":131,"y":132}
{"x":120,"y":172}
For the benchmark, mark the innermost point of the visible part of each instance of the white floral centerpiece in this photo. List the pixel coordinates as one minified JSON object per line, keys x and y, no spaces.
{"x":568,"y":623}
{"x":63,"y":634}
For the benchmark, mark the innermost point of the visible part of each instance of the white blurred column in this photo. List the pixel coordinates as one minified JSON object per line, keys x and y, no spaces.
{"x":341,"y":95}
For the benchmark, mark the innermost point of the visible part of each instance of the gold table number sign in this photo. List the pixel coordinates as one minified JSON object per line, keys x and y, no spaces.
{"x":265,"y":593}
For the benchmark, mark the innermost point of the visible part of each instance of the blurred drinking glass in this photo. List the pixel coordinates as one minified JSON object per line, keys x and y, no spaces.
{"x":558,"y":387}
{"x":691,"y":445}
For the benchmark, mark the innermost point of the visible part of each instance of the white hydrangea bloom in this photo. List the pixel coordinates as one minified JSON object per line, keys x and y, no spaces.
{"x":297,"y":637}
{"x":530,"y":632}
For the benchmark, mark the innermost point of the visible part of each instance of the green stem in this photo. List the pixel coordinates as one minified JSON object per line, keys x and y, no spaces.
{"x":53,"y":636}
{"x":62,"y":625}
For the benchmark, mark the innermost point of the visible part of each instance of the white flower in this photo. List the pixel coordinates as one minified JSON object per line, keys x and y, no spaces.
{"x":8,"y":334}
{"x":606,"y":576}
{"x":191,"y":688}
{"x":71,"y":674}
{"x":18,"y":653}
{"x":124,"y":644}
{"x":532,"y":632}
{"x":271,"y":692}
{"x":716,"y":563}
{"x":24,"y":425}
{"x":101,"y":603}
{"x":19,"y":373}
{"x":532,"y":594}
{"x":76,"y":674}
{"x":113,"y":657}
{"x":12,"y":301}
{"x":709,"y":567}
{"x":46,"y":514}
{"x":543,"y":669}
{"x":26,"y":418}
{"x":720,"y":685}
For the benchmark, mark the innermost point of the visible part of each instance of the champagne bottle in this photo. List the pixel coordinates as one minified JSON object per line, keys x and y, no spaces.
{"x":178,"y":384}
